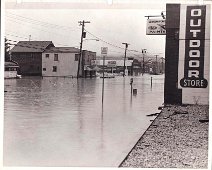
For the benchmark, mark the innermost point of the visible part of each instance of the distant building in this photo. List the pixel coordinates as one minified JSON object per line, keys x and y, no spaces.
{"x":60,"y":62}
{"x":63,"y":62}
{"x":115,"y":65}
{"x":42,"y":58}
{"x":10,"y":69}
{"x":28,"y":55}
{"x":87,"y":61}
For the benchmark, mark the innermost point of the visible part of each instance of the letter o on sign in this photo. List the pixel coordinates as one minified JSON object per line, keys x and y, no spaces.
{"x":193,"y":63}
{"x":194,"y":53}
{"x":196,"y":12}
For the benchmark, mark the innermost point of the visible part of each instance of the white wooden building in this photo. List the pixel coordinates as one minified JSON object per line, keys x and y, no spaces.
{"x":60,"y":62}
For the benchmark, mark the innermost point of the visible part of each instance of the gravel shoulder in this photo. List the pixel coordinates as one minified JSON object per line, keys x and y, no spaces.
{"x":177,"y":138}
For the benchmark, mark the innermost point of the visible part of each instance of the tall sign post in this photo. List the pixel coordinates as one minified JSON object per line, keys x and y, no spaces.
{"x":103,"y":53}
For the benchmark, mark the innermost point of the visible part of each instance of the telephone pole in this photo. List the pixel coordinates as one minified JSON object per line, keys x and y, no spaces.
{"x":83,"y":35}
{"x":143,"y":52}
{"x":126,"y":46}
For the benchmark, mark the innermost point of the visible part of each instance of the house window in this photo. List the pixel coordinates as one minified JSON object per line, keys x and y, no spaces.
{"x":54,"y":68}
{"x":47,"y":55}
{"x":55,"y":57}
{"x":76,"y":57}
{"x":44,"y":69}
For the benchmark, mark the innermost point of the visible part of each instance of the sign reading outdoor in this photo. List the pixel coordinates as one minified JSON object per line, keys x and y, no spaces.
{"x":156,"y":27}
{"x":194,"y":48}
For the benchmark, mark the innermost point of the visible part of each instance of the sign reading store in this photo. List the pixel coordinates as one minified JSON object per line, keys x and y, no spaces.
{"x":194,"y":48}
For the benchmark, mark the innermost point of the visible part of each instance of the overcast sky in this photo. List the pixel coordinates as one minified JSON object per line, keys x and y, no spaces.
{"x":58,"y":22}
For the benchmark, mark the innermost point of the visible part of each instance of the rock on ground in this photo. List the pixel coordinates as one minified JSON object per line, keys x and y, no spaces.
{"x":175,"y":139}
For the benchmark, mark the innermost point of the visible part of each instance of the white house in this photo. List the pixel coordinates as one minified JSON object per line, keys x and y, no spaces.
{"x":60,"y":62}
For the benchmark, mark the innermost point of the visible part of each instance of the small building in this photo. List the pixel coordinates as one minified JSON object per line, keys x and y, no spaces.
{"x":60,"y":62}
{"x":28,"y":55}
{"x":10,"y":69}
{"x":87,"y":61}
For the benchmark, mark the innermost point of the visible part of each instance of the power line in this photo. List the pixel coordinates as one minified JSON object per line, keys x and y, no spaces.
{"x":13,"y":17}
{"x":13,"y":21}
{"x":116,"y":46}
{"x":37,"y":22}
{"x":100,"y":39}
{"x":34,"y":39}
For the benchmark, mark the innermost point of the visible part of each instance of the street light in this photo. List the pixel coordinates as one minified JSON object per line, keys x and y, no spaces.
{"x":91,"y":39}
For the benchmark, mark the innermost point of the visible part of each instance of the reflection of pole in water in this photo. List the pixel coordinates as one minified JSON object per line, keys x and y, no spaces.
{"x":103,"y":79}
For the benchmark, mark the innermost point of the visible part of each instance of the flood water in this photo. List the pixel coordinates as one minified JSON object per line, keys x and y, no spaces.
{"x":61,"y":121}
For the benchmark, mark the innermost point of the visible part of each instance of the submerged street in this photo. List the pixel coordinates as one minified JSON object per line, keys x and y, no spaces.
{"x":61,"y":121}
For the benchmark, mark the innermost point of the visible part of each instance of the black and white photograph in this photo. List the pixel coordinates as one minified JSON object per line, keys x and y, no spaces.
{"x":105,"y":84}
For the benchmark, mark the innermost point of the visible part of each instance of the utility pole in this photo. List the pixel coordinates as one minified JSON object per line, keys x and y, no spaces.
{"x":83,"y":35}
{"x":143,"y":52}
{"x":126,"y":46}
{"x":156,"y":64}
{"x":162,"y":65}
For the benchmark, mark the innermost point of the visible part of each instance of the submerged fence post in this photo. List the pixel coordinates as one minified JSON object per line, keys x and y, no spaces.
{"x":151,"y":82}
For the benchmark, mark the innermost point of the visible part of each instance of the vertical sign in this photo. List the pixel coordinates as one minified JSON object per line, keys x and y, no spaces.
{"x":194,"y":53}
{"x":194,"y":48}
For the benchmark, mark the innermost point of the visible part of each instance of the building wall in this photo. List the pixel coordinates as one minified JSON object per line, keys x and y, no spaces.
{"x":29,"y":63}
{"x":66,"y":64}
{"x":88,"y":57}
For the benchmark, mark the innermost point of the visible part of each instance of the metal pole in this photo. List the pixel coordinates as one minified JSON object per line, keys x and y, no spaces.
{"x":143,"y":64}
{"x":125,"y":53}
{"x":103,"y":79}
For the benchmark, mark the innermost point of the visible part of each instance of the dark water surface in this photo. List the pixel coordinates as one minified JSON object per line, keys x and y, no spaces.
{"x":61,"y":122}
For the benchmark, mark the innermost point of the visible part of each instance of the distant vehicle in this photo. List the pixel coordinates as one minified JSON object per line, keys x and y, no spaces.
{"x":10,"y":70}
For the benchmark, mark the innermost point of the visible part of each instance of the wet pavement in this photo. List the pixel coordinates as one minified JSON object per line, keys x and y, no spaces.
{"x":61,"y":121}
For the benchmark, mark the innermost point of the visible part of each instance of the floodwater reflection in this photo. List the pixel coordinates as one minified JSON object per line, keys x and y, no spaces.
{"x":61,"y":121}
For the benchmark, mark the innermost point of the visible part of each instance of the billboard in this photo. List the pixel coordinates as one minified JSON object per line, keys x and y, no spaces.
{"x":111,"y":63}
{"x":155,"y":27}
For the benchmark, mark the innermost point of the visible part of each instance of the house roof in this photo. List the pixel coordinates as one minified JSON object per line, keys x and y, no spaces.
{"x":31,"y":46}
{"x":62,"y":50}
